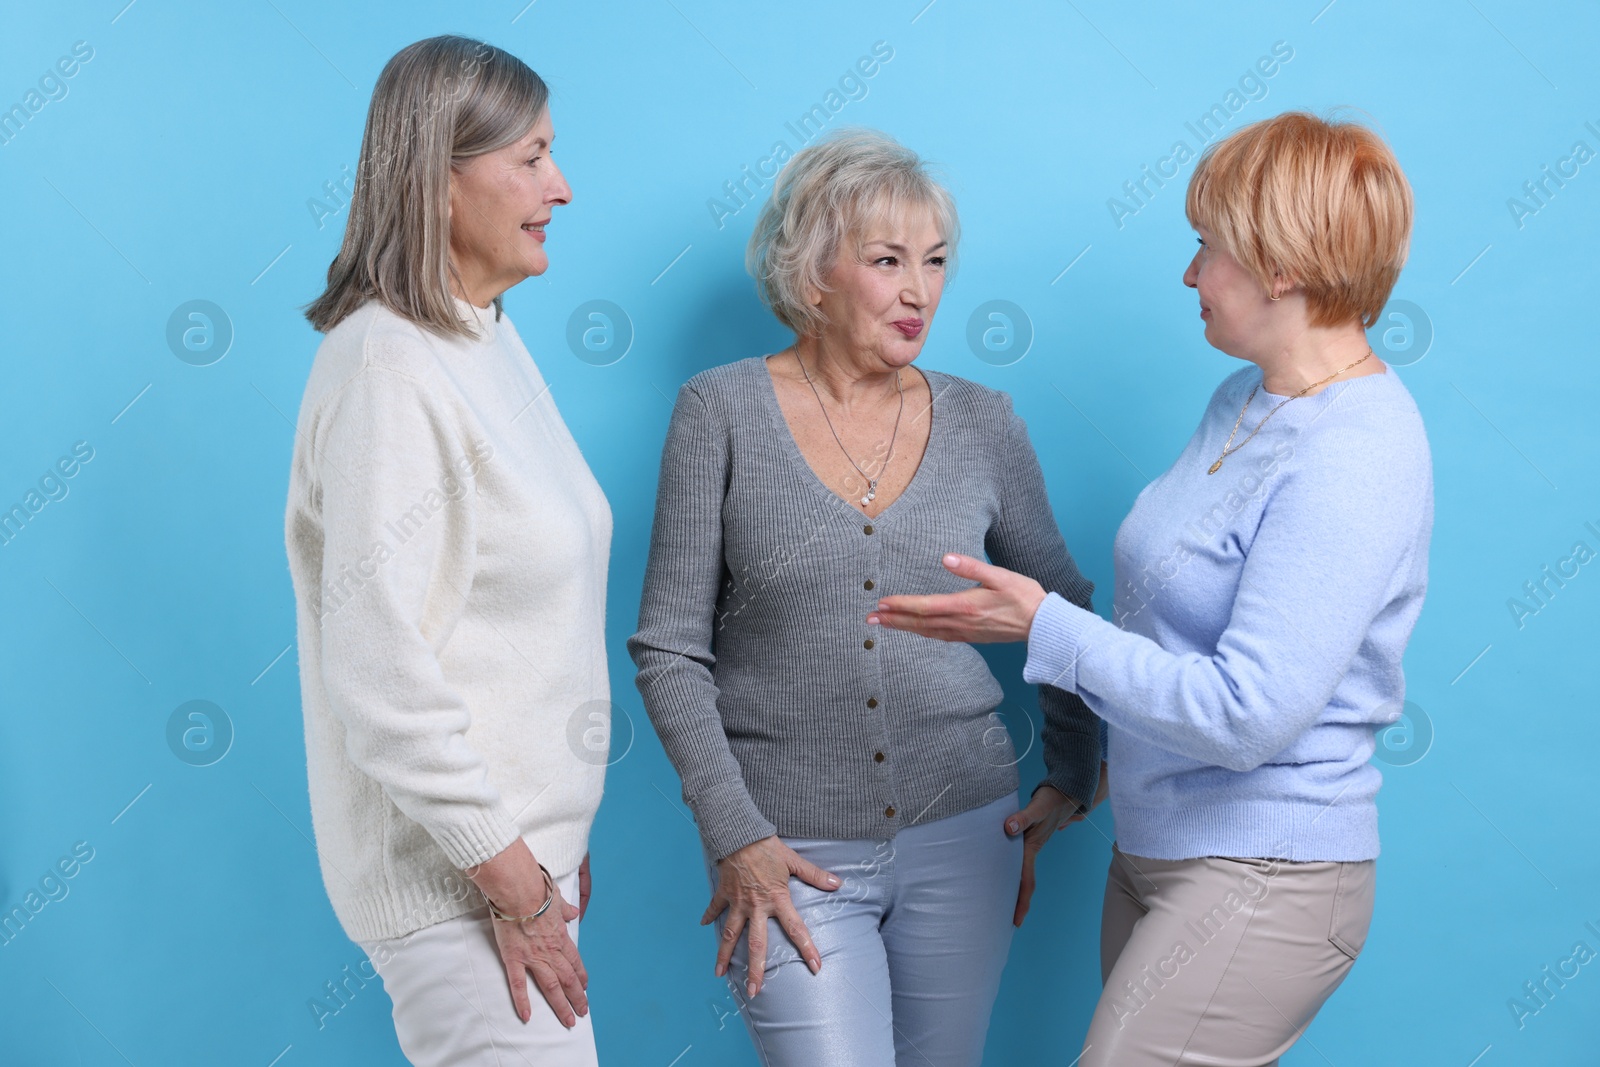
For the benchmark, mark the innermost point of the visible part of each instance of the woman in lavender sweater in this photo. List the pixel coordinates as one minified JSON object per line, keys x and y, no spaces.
{"x":1266,"y":586}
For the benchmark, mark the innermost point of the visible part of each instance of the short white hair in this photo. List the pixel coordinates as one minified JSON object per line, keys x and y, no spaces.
{"x":828,"y":192}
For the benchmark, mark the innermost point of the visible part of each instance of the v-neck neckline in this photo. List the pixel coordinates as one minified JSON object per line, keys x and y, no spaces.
{"x":936,"y":421}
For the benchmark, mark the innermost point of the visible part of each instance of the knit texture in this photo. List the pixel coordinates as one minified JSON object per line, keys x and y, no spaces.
{"x":448,"y":547}
{"x":783,"y":711}
{"x":1260,"y":618}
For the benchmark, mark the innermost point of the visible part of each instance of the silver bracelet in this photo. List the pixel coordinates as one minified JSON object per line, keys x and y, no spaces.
{"x":550,"y":895}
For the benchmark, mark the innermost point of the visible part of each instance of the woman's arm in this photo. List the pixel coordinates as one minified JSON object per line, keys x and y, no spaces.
{"x":1319,"y":572}
{"x":677,"y":622}
{"x":1027,"y":540}
{"x":387,"y":452}
{"x":390,"y":463}
{"x":673,"y":651}
{"x":1320,"y":569}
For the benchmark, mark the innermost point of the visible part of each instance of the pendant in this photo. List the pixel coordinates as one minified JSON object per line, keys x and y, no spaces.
{"x":1215,"y":467}
{"x":872,"y":494}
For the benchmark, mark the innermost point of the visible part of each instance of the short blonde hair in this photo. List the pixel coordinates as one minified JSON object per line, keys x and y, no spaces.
{"x":1323,"y":202}
{"x":827,"y":193}
{"x":438,"y":103}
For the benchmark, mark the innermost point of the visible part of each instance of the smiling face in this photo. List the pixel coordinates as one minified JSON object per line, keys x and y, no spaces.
{"x":1241,"y":319}
{"x":499,"y":204}
{"x":884,"y":288}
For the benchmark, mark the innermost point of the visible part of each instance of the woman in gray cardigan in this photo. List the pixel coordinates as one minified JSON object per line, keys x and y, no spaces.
{"x":855,"y":792}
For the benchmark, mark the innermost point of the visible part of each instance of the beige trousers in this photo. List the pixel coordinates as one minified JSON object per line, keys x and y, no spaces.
{"x":1219,"y":961}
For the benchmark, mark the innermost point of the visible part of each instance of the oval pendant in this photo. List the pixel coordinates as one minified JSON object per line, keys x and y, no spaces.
{"x":1215,"y":467}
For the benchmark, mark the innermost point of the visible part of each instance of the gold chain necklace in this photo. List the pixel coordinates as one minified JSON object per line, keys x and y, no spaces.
{"x":1226,"y":451}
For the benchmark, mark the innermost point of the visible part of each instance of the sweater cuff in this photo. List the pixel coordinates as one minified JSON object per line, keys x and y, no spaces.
{"x":729,"y":820}
{"x":1078,"y":782}
{"x":482,"y":835}
{"x":1053,"y":643}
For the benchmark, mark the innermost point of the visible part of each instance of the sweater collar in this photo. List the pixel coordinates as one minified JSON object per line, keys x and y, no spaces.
{"x":480,"y":319}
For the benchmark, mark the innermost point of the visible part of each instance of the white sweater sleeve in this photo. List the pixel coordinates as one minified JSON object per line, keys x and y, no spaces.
{"x":399,"y":546}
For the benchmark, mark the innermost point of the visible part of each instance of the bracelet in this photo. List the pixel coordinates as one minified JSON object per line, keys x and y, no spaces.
{"x":550,"y":895}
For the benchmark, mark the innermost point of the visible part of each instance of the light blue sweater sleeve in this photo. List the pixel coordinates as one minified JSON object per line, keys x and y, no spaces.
{"x":1327,"y":558}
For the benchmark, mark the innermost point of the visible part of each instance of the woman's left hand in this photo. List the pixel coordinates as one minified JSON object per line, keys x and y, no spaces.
{"x":1000,"y":608}
{"x":1048,"y":811}
{"x":583,"y":886}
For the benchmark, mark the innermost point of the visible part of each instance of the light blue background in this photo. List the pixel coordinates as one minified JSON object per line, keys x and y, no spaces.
{"x":179,"y":166}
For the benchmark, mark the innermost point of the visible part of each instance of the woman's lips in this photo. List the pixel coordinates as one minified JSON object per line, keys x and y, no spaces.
{"x":909,"y":327}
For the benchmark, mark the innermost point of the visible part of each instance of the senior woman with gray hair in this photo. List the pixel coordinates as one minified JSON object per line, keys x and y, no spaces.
{"x":855,"y":793}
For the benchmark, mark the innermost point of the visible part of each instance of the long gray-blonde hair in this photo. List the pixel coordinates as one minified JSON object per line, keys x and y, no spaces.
{"x":438,"y":103}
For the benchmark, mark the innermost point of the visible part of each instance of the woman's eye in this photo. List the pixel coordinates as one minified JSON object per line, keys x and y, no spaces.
{"x":937,"y":261}
{"x":890,"y":260}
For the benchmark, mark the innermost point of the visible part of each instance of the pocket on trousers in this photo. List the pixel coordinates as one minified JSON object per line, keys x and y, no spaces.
{"x":1352,"y":907}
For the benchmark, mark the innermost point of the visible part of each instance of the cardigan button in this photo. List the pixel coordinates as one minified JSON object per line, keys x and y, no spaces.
{"x":872,"y":702}
{"x":867,"y":643}
{"x":867,"y":584}
{"x":888,"y":812}
{"x":867,"y":529}
{"x":877,"y":757}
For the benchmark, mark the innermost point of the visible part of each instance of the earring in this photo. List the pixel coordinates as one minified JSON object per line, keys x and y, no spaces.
{"x":1273,"y":296}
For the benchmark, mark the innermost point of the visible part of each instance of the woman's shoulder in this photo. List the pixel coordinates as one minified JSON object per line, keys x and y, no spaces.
{"x":374,"y":344}
{"x":728,"y":380}
{"x":969,"y":401}
{"x":374,"y":336}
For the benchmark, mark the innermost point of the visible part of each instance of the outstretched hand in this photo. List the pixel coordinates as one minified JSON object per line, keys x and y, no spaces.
{"x":1000,"y":608}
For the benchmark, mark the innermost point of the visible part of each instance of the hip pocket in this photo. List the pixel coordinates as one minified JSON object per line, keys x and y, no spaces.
{"x":1352,"y":906}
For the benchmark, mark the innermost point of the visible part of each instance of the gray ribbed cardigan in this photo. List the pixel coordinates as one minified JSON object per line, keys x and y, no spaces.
{"x":783,"y":711}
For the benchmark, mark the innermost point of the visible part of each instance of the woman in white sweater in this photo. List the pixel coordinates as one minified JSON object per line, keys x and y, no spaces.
{"x":448,"y":546}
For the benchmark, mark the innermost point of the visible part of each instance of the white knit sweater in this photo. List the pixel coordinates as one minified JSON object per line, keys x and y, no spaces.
{"x":448,"y":546}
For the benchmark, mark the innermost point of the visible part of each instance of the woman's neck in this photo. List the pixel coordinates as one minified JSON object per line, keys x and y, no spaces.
{"x":842,"y":375}
{"x":1318,"y":357}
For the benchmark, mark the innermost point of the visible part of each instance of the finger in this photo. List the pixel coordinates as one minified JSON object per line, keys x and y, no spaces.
{"x":572,"y":985}
{"x":517,"y":981}
{"x":1035,"y":836}
{"x":585,"y":885}
{"x":1018,"y":821}
{"x":795,"y":928}
{"x":1024,"y":891}
{"x":930,"y":604}
{"x":716,"y":907}
{"x":977,"y":570}
{"x":570,"y":952}
{"x":811,"y":874}
{"x":938,"y":627}
{"x":756,"y":968}
{"x":729,"y":940}
{"x":544,"y":976}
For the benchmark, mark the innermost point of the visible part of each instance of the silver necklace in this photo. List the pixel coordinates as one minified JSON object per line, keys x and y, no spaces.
{"x":872,"y":483}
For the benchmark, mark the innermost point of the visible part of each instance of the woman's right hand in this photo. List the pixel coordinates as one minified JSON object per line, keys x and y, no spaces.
{"x":753,"y":885}
{"x":513,"y":880}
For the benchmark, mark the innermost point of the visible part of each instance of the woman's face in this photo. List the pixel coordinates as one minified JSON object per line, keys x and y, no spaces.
{"x":1240,"y":318}
{"x":499,"y":205}
{"x":881,"y":299}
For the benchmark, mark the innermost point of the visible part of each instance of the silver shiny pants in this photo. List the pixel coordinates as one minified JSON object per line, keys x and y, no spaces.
{"x":912,"y":947}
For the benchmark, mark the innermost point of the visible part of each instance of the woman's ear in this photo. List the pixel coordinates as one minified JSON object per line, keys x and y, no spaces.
{"x":1281,"y":284}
